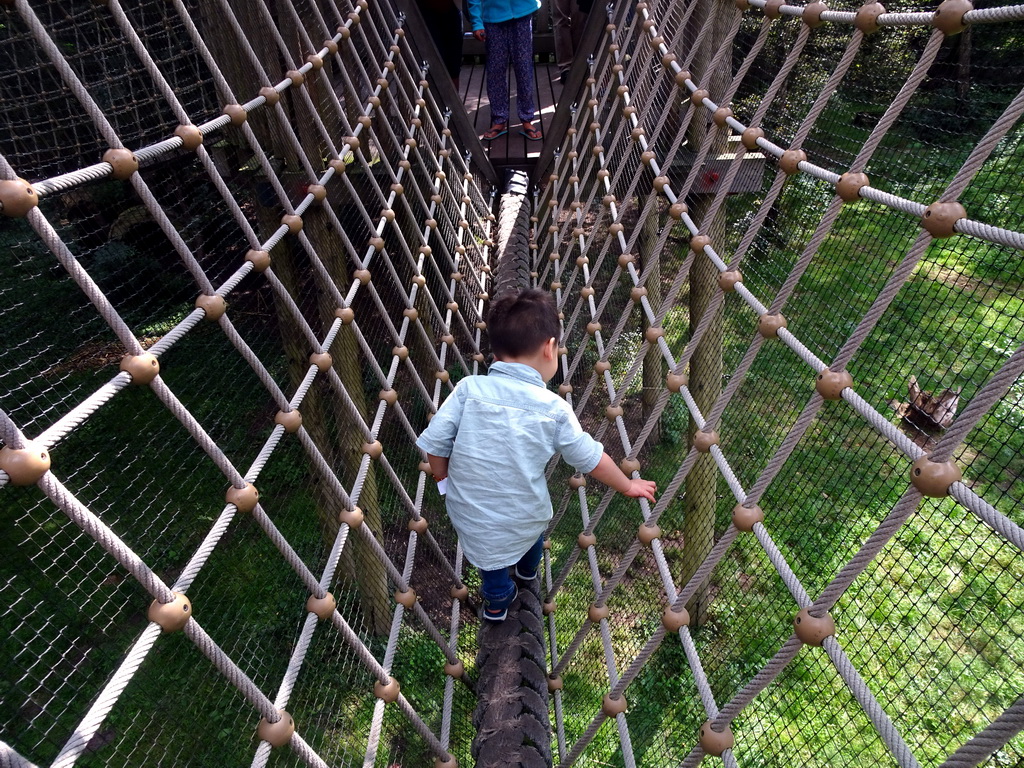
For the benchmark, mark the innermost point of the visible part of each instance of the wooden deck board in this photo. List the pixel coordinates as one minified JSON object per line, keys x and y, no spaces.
{"x":512,"y":149}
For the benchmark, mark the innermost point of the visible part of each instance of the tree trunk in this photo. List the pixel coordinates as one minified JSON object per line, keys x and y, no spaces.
{"x":329,"y":426}
{"x":654,"y":363}
{"x":963,"y":66}
{"x":706,"y":364}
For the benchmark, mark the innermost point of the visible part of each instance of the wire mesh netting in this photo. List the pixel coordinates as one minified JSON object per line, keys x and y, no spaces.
{"x":785,"y":244}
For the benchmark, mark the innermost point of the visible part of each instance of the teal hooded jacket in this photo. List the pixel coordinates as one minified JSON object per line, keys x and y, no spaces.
{"x":494,"y":11}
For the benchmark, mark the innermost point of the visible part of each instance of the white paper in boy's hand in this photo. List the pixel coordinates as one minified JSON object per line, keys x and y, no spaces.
{"x":442,"y":486}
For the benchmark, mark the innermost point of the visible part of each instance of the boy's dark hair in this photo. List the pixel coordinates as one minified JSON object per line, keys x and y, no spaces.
{"x":521,"y":323}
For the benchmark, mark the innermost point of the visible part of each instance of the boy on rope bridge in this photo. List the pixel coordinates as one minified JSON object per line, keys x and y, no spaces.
{"x":491,"y":439}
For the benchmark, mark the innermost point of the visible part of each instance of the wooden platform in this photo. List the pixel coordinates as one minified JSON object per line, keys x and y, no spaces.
{"x":511,"y":150}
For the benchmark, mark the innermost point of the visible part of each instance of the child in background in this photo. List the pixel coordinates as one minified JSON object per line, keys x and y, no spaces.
{"x":492,"y":439}
{"x":507,"y":28}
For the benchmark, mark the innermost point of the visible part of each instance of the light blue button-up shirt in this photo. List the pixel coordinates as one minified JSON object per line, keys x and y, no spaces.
{"x":499,"y":431}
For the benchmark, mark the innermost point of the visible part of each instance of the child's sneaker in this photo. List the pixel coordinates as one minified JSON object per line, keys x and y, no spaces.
{"x":495,"y":616}
{"x":523,"y":576}
{"x":499,"y":614}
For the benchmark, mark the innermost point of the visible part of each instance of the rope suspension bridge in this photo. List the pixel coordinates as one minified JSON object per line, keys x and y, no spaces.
{"x":250,"y":245}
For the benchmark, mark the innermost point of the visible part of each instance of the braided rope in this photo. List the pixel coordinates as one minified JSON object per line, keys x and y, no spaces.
{"x":212,"y":450}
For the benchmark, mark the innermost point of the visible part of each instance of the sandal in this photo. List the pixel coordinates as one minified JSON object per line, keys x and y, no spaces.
{"x":532,"y":133}
{"x":496,"y":130}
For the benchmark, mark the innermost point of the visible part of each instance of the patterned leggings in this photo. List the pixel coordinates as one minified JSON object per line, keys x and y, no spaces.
{"x":507,"y":40}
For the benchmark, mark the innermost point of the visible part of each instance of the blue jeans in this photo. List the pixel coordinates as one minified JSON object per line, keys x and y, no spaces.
{"x":497,"y":588}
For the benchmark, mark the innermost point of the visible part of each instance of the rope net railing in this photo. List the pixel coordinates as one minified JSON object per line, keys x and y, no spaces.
{"x":289,"y":165}
{"x":782,"y":498}
{"x":757,"y":208}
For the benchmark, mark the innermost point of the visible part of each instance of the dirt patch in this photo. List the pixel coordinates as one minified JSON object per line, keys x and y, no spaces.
{"x":430,"y":579}
{"x":94,"y":355}
{"x":954,"y":279}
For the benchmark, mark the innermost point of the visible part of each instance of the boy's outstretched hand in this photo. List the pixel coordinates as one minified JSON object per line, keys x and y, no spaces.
{"x":641,"y":487}
{"x":608,"y":472}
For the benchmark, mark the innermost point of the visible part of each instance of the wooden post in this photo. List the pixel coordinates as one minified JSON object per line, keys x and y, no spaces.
{"x":654,"y":364}
{"x":706,"y":363}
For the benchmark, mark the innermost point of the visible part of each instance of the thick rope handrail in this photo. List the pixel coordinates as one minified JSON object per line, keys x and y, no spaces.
{"x":103,"y":170}
{"x":966,"y":225}
{"x":893,"y":19}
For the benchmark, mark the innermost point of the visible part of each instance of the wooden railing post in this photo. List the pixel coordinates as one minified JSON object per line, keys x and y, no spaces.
{"x":424,"y":48}
{"x":560,"y":123}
